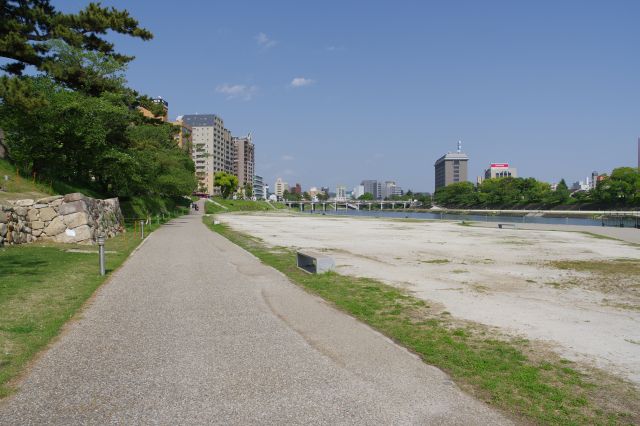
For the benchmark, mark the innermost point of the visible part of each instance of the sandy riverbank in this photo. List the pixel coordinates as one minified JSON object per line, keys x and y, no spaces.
{"x":496,"y":277}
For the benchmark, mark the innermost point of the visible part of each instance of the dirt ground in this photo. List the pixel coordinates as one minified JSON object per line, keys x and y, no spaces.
{"x":578,"y":293}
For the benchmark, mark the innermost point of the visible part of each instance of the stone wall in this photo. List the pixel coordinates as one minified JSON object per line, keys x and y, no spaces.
{"x":73,"y":218}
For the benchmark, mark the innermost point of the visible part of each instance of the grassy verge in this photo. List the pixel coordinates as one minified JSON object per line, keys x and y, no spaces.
{"x":41,"y":287}
{"x":510,"y":374}
{"x":240,"y":205}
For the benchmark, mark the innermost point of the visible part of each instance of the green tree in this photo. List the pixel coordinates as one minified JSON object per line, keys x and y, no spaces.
{"x":227,"y":182}
{"x":367,"y":196}
{"x":248,"y":190}
{"x":621,"y":188}
{"x":461,"y":194}
{"x":27,"y":28}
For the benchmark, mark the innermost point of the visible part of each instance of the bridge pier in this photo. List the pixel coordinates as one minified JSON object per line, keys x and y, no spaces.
{"x":369,"y":206}
{"x":301,"y":207}
{"x":335,"y":206}
{"x":324,"y":207}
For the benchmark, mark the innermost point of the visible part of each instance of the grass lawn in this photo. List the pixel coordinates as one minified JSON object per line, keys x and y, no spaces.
{"x":42,"y":286}
{"x":240,"y":205}
{"x":527,"y":382}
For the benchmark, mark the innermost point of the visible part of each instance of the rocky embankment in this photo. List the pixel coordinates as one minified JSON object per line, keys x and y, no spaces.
{"x":72,"y":218}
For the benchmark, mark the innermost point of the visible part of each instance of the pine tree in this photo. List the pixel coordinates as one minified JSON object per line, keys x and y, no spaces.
{"x":28,"y":27}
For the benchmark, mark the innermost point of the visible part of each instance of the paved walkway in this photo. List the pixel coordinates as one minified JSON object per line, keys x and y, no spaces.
{"x":194,"y":330}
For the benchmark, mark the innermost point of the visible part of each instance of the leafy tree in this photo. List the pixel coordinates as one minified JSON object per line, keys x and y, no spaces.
{"x":248,"y":190}
{"x":95,"y":141}
{"x":367,"y":196}
{"x":461,"y":194}
{"x":621,"y":188}
{"x":27,"y":28}
{"x":306,"y":196}
{"x":227,"y":182}
{"x":322,"y":196}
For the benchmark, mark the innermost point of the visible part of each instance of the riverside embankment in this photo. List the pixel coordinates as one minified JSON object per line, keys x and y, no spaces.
{"x":576,"y":292}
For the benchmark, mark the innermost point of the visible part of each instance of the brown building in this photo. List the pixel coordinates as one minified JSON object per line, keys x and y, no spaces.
{"x":244,"y":160}
{"x":451,"y":168}
{"x":184,"y":137}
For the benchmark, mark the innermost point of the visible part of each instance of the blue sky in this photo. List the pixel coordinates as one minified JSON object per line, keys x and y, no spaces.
{"x":336,"y":92}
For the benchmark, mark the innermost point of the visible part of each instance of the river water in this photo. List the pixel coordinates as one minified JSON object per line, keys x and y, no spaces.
{"x":610,"y":221}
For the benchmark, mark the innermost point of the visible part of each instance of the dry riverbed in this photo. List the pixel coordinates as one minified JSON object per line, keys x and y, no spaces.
{"x":578,"y":293}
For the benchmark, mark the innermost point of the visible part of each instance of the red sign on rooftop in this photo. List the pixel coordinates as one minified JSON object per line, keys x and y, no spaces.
{"x":500,"y":165}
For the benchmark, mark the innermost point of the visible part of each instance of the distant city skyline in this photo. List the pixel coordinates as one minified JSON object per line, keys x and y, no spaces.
{"x":383,"y":91}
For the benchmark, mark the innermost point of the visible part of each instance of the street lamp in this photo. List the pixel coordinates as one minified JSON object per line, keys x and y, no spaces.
{"x":101,"y":253}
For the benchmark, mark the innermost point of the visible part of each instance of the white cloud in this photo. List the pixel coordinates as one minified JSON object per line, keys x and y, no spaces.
{"x":237,"y":91}
{"x":301,"y":81}
{"x":334,"y":48}
{"x":264,"y":41}
{"x":288,"y":158}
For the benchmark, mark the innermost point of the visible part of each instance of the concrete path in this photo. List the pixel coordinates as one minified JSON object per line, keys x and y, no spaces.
{"x":194,"y":330}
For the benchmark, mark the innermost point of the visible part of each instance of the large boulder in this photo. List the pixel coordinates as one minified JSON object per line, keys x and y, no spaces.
{"x":55,"y":227}
{"x":21,"y":211}
{"x":74,"y":220}
{"x":47,"y":200}
{"x":24,"y":203}
{"x":37,"y":224}
{"x":72,"y":207}
{"x":47,"y":214}
{"x":32,"y":215}
{"x":78,"y":235}
{"x":76,"y":196}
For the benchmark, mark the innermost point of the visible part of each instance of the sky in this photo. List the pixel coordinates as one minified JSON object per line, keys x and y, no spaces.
{"x":335,"y":92}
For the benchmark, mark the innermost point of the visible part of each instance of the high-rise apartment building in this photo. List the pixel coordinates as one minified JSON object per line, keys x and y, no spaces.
{"x":451,"y":168}
{"x":243,"y":160}
{"x":183,"y":136}
{"x":280,"y":187}
{"x":258,"y":188}
{"x":341,"y":193}
{"x":212,"y":149}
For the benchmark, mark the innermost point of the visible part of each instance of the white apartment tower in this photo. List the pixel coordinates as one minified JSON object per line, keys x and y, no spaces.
{"x":213,"y":149}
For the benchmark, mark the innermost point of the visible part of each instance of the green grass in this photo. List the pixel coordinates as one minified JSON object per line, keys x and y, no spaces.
{"x":18,"y":186}
{"x":41,"y":287}
{"x":240,"y":206}
{"x":510,"y":374}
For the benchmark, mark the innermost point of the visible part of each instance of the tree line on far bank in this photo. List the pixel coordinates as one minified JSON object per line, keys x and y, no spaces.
{"x":621,"y":189}
{"x":73,"y":119}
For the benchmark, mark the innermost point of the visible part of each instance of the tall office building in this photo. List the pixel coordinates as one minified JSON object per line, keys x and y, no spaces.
{"x":451,"y":168}
{"x":243,"y":160}
{"x":341,"y":193}
{"x":212,"y":149}
{"x":372,"y":187}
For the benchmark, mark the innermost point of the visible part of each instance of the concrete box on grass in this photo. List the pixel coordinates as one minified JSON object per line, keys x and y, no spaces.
{"x":314,"y":263}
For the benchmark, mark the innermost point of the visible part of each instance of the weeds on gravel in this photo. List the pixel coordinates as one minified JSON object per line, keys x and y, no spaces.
{"x":509,"y":374}
{"x":42,"y":285}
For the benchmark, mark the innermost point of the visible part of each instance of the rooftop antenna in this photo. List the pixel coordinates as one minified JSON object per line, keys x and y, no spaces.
{"x":459,"y":147}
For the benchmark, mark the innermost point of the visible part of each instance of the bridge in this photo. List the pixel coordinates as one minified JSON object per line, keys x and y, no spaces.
{"x":350,"y":205}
